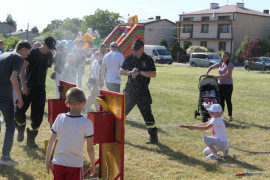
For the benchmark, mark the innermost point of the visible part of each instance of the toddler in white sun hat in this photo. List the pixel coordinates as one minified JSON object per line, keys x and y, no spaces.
{"x":218,"y":141}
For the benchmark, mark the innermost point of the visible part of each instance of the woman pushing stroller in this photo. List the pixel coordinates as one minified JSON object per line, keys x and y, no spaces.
{"x":225,"y":81}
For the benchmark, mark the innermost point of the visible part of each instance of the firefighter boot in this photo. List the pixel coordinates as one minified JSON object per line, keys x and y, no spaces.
{"x":153,"y":136}
{"x":31,"y":135}
{"x":20,"y":135}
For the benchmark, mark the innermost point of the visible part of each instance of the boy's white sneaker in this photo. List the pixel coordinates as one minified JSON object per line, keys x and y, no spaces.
{"x":213,"y":156}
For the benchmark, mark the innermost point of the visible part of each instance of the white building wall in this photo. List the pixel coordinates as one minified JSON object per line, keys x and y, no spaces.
{"x":250,"y":25}
{"x":155,"y":32}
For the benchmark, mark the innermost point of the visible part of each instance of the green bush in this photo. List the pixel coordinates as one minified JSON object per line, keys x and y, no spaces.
{"x":164,"y":43}
{"x":219,"y":52}
{"x":174,"y":49}
{"x":10,"y":42}
{"x":184,"y":58}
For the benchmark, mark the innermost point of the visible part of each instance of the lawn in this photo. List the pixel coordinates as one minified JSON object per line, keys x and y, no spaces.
{"x":179,"y":154}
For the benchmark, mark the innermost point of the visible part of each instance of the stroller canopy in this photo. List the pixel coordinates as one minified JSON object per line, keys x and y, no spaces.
{"x":208,"y":84}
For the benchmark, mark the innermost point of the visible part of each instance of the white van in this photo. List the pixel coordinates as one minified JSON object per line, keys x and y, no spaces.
{"x":160,"y":54}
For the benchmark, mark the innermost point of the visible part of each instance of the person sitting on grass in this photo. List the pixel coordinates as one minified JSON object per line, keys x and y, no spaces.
{"x":71,"y":129}
{"x":217,"y":142}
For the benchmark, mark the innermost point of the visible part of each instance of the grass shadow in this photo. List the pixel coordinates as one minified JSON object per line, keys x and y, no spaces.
{"x":141,"y":126}
{"x":233,"y":160}
{"x":86,"y":166}
{"x":177,"y":156}
{"x":254,"y":125}
{"x":263,"y":72}
{"x":11,"y":173}
{"x":38,"y":153}
{"x":235,"y":126}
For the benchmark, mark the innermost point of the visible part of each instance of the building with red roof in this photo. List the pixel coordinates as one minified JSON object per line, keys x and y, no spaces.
{"x":223,"y":27}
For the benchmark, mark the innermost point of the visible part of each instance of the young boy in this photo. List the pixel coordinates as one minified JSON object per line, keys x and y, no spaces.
{"x":71,"y":129}
{"x":94,"y":81}
{"x":217,"y":142}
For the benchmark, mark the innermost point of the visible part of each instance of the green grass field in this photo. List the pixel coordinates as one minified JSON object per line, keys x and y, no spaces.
{"x":179,"y":154}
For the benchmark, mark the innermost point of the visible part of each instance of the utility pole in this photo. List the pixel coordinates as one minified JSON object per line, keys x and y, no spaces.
{"x":27,"y":31}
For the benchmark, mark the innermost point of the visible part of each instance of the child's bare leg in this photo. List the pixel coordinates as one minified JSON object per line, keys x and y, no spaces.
{"x":213,"y":149}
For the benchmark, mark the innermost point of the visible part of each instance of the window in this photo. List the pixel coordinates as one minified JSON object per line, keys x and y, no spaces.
{"x":188,"y":19}
{"x":224,"y":18}
{"x":200,"y":56}
{"x":155,"y":53}
{"x":188,"y":28}
{"x":204,"y":43}
{"x":224,"y":28}
{"x":205,"y":18}
{"x":222,"y":46}
{"x":213,"y":56}
{"x":205,"y":28}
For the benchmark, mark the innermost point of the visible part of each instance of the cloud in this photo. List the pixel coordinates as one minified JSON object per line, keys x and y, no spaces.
{"x":145,"y":8}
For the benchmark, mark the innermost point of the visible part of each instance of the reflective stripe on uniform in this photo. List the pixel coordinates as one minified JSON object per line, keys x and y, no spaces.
{"x":151,"y":126}
{"x":20,"y":124}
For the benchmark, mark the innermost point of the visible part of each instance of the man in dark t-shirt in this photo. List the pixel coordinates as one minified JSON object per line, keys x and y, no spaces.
{"x":139,"y":68}
{"x":10,"y":66}
{"x":33,"y":90}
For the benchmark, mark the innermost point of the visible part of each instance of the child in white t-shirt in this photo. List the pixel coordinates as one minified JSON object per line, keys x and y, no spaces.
{"x":71,"y":129}
{"x":94,"y":81}
{"x":217,"y":142}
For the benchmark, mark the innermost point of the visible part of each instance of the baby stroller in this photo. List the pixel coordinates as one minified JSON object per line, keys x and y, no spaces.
{"x":208,"y":95}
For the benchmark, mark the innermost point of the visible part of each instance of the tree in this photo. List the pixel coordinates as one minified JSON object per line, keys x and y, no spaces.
{"x":240,"y":50}
{"x":242,"y":46}
{"x":175,"y":48}
{"x":53,"y":26}
{"x":35,"y":30}
{"x":9,"y":20}
{"x":187,"y":44}
{"x":265,"y":47}
{"x":102,"y":20}
{"x":164,"y":43}
{"x":70,"y":28}
{"x":252,"y":50}
{"x":10,"y":42}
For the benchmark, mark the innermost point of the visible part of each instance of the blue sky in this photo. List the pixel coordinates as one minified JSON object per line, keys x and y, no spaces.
{"x":40,"y":12}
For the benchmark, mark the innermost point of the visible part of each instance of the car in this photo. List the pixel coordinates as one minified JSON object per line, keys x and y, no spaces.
{"x":203,"y":59}
{"x":160,"y":54}
{"x":260,"y":63}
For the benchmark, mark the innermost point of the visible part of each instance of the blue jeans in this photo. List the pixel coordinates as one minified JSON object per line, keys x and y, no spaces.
{"x":7,"y":109}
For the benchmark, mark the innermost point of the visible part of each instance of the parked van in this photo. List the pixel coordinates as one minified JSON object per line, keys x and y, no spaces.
{"x":203,"y":59}
{"x":160,"y":54}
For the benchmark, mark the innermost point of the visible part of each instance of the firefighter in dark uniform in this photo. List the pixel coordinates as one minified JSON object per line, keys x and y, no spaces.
{"x":33,"y":80}
{"x":139,"y":68}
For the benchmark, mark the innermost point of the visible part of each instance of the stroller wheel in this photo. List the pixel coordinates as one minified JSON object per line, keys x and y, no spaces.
{"x":195,"y":113}
{"x":205,"y":119}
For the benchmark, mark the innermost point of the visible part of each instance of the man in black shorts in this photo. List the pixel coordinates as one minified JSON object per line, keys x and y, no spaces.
{"x":33,"y":90}
{"x":139,"y":68}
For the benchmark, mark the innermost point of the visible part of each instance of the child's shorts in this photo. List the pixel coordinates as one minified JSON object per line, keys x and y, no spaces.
{"x":60,"y":172}
{"x":210,"y":140}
